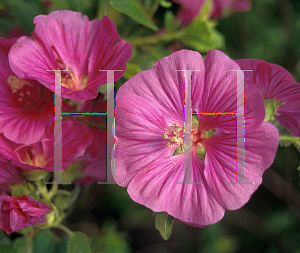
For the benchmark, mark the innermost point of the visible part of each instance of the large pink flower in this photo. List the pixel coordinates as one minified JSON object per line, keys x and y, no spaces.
{"x":68,"y":40}
{"x":274,"y":82}
{"x":191,"y":8}
{"x":26,"y":106}
{"x":21,"y":212}
{"x":149,"y":157}
{"x":40,"y":155}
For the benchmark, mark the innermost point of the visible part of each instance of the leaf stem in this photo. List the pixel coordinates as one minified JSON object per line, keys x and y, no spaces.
{"x":64,"y":228}
{"x":289,"y":138}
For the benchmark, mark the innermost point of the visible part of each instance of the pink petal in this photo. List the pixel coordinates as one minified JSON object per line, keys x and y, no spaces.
{"x":75,"y":138}
{"x":23,"y":113}
{"x":220,"y":95}
{"x":10,"y":174}
{"x":156,"y":188}
{"x":272,"y":80}
{"x":220,"y":163}
{"x":139,"y":129}
{"x":163,"y":85}
{"x":288,"y":115}
{"x":68,"y":40}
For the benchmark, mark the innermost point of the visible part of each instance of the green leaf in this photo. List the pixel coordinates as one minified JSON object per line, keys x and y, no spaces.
{"x":164,"y":224}
{"x":165,"y":3}
{"x":23,"y":245}
{"x":8,"y":249}
{"x":79,"y":243}
{"x":201,"y":34}
{"x":44,"y":242}
{"x":170,"y":22}
{"x":135,"y":10}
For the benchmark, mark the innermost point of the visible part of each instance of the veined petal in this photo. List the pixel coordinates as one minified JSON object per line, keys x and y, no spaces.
{"x":163,"y":85}
{"x":139,"y":130}
{"x":26,"y":106}
{"x":220,"y":91}
{"x":222,"y":158}
{"x":274,"y":81}
{"x":67,"y":40}
{"x":157,"y":188}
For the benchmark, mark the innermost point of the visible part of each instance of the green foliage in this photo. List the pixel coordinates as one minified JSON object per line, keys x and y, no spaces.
{"x":165,"y":3}
{"x":171,"y":23}
{"x":164,"y":224}
{"x":79,"y":243}
{"x":23,"y":245}
{"x":131,"y":70}
{"x":135,"y":10}
{"x":44,"y":242}
{"x":110,"y":240}
{"x":201,"y":34}
{"x":25,"y":11}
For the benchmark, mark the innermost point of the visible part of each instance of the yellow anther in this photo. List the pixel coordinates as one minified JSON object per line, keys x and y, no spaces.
{"x":17,"y":83}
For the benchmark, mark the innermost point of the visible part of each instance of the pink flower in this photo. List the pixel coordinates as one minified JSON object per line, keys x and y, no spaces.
{"x":191,"y":8}
{"x":94,"y":159}
{"x":10,"y":174}
{"x":149,"y":124}
{"x":21,"y":212}
{"x":40,"y":155}
{"x":274,"y":81}
{"x":26,"y":107}
{"x":68,"y":40}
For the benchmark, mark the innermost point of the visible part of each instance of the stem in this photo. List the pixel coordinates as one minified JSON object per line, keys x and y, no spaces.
{"x":64,"y":228}
{"x":53,"y":191}
{"x":43,"y":191}
{"x":289,"y":138}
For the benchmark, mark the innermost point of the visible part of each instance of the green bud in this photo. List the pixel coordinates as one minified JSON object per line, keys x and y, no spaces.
{"x":62,"y":201}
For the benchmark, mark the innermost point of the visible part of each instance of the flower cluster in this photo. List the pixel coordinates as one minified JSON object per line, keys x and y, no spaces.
{"x":191,"y":170}
{"x":66,"y":41}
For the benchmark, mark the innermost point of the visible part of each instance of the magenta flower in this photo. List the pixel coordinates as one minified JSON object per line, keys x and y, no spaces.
{"x":94,"y":159}
{"x":68,"y":40}
{"x":26,"y":107}
{"x":191,"y":8}
{"x":10,"y":174}
{"x":274,"y":82}
{"x":21,"y":212}
{"x":149,"y":157}
{"x":40,"y":155}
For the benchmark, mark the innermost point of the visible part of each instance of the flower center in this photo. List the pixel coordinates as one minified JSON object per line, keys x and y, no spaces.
{"x":68,"y":79}
{"x":175,"y":136}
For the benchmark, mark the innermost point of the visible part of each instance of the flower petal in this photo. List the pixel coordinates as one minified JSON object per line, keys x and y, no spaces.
{"x":139,"y":130}
{"x":220,"y":91}
{"x":163,"y":85}
{"x":221,"y":163}
{"x":68,"y":40}
{"x":157,"y":188}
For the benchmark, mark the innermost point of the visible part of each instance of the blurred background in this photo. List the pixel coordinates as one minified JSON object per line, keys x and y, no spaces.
{"x":269,"y":222}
